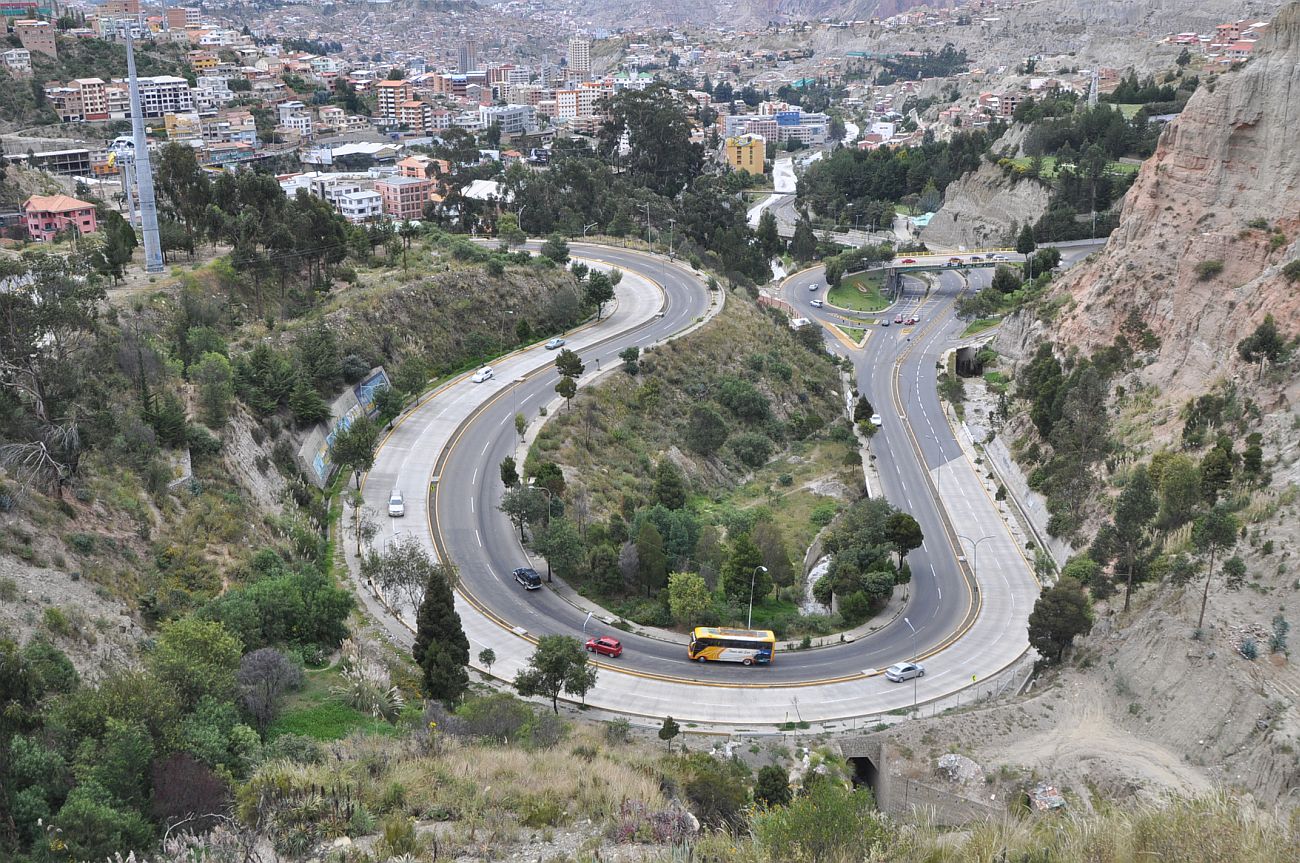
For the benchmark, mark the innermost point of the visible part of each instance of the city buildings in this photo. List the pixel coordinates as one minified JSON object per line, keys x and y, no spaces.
{"x":513,"y":119}
{"x":404,"y":197}
{"x":467,"y":57}
{"x":746,"y":153}
{"x":18,"y":61}
{"x":390,"y":94}
{"x":578,"y":57}
{"x":36,"y":36}
{"x":360,"y":206}
{"x":49,"y":215}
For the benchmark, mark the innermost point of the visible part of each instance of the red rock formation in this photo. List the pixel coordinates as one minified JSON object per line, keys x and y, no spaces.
{"x":1231,"y":158}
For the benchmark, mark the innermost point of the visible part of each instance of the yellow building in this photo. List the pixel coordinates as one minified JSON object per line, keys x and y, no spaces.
{"x":746,"y":153}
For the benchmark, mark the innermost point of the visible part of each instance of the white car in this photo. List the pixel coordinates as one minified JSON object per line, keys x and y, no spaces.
{"x":814,"y":286}
{"x":876,"y":420}
{"x":482,"y":375}
{"x":816,"y":304}
{"x":900,"y":671}
{"x":998,"y":258}
{"x":396,"y":506}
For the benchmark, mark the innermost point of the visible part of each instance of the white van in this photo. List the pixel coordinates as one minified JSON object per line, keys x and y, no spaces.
{"x":482,"y":375}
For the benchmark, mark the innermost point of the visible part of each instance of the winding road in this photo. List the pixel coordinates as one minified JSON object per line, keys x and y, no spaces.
{"x":444,"y":455}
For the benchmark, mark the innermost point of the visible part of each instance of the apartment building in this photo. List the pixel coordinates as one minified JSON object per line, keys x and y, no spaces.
{"x":361,"y":206}
{"x":415,"y":116}
{"x":746,"y":153}
{"x":513,"y":119}
{"x":81,"y":100}
{"x":230,"y":127}
{"x":295,"y":117}
{"x":18,"y":61}
{"x":120,"y":8}
{"x":578,"y":57}
{"x":162,"y":94}
{"x":48,"y":215}
{"x":467,"y":57}
{"x":183,"y":127}
{"x":36,"y":36}
{"x":582,"y":101}
{"x":404,"y":197}
{"x":390,"y":94}
{"x":179,"y":18}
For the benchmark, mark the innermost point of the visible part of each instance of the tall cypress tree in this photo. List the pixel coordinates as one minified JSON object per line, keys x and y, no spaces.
{"x":441,"y":648}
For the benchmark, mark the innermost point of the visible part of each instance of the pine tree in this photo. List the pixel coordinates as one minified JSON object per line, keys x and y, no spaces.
{"x":804,"y":244}
{"x":306,"y":405}
{"x":441,"y":648}
{"x":670,"y":487}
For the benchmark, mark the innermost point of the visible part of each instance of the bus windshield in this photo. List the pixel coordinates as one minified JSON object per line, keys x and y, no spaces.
{"x":718,"y":644}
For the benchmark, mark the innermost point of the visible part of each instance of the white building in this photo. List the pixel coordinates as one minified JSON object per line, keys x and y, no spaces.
{"x":513,"y":119}
{"x":17,"y":60}
{"x":164,"y":94}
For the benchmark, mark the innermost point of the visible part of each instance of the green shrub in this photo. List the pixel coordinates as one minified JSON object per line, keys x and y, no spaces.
{"x":1292,"y":270}
{"x":543,"y":811}
{"x":751,"y":448}
{"x":827,"y":823}
{"x":1207,"y":270}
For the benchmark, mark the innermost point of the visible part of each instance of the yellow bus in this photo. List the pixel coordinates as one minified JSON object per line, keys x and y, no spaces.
{"x":746,"y":646}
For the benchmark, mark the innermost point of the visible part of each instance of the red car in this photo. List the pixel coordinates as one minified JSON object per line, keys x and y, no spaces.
{"x":898,"y":320}
{"x":908,"y":261}
{"x":605,"y":646}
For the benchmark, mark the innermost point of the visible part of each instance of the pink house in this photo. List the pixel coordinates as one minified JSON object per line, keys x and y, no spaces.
{"x":47,"y":215}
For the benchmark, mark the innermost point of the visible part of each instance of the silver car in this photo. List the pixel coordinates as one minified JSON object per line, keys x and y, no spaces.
{"x":900,"y":671}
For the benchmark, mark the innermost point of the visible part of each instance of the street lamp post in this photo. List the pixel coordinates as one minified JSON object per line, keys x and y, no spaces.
{"x":749,"y":623}
{"x":975,"y":553}
{"x":915,"y":676}
{"x":671,"y":222}
{"x":586,"y":228}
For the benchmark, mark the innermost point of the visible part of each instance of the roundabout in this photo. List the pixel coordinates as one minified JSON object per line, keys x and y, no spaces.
{"x":968,"y":624}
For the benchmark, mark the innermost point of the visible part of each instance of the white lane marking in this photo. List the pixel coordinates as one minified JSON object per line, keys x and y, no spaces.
{"x":485,"y":446}
{"x":479,"y":538}
{"x":471,"y":504}
{"x":475,"y":478}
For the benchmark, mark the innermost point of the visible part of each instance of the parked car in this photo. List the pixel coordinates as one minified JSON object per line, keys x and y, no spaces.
{"x":555,"y":343}
{"x":605,"y":646}
{"x":876,"y":420}
{"x":396,"y":506}
{"x":816,"y":304}
{"x":528,"y":577}
{"x":482,"y":375}
{"x":908,"y":261}
{"x":901,"y":671}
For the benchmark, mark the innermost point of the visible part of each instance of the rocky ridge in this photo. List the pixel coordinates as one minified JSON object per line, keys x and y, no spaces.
{"x":1205,"y":230}
{"x":983,"y":207}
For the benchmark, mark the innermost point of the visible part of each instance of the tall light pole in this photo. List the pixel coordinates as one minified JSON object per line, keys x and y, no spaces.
{"x":975,"y":553}
{"x":749,"y":623}
{"x":914,"y":676}
{"x":586,"y":228}
{"x":153,"y":262}
{"x":647,"y":224}
{"x":671,"y":222}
